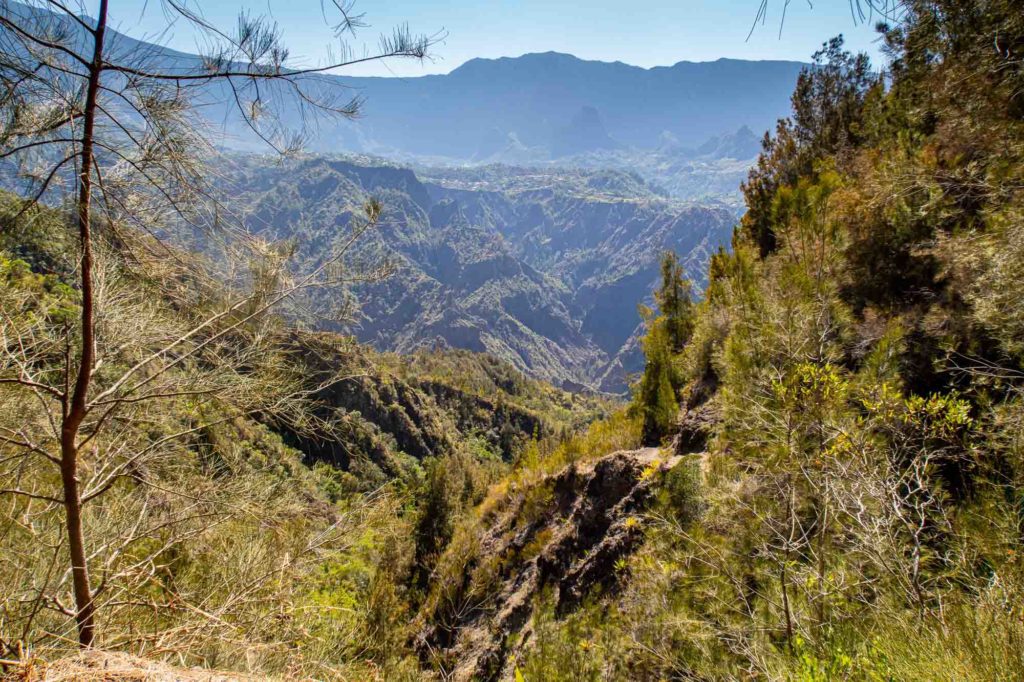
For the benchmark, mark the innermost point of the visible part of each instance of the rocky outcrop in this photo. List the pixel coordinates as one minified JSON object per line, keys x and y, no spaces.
{"x":564,"y":537}
{"x":696,"y":426}
{"x":585,"y":132}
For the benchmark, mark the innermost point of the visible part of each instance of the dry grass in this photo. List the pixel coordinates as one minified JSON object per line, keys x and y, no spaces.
{"x":101,"y":666}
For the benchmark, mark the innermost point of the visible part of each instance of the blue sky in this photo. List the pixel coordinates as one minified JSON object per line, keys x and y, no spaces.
{"x":641,"y":32}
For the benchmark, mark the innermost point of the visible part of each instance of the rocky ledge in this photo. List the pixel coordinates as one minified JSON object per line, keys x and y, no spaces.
{"x":581,"y":521}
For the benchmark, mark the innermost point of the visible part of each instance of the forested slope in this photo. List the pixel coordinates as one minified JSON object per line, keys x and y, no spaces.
{"x":282,"y":492}
{"x":846,"y":398}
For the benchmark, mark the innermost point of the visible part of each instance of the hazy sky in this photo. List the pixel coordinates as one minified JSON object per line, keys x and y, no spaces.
{"x":641,"y":32}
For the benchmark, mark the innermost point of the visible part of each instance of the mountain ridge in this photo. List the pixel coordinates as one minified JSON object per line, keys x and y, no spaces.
{"x":535,"y":95}
{"x":568,"y":56}
{"x":532,"y":96}
{"x":542,"y":269}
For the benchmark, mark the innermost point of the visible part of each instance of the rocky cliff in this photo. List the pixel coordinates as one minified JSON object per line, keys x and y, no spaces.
{"x":561,"y":536}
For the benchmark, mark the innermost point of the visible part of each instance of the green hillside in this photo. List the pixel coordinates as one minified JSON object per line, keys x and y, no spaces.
{"x":333,"y":418}
{"x":849,"y":395}
{"x":319,"y":465}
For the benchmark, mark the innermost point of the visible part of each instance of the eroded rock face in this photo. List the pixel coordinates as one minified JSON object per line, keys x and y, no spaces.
{"x":696,"y":426}
{"x":543,"y":272}
{"x":562,"y":538}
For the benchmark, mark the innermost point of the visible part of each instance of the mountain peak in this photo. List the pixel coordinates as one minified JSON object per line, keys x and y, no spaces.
{"x":585,"y":132}
{"x":547,"y":59}
{"x":553,"y":57}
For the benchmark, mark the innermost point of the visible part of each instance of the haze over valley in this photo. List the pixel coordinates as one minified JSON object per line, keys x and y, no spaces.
{"x":525,"y":200}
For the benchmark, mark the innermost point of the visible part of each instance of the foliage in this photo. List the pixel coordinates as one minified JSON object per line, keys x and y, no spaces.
{"x":857,"y":513}
{"x":674,"y":303}
{"x":656,"y":399}
{"x":667,"y":335}
{"x":828,"y":107}
{"x":451,"y":485}
{"x":681,"y":493}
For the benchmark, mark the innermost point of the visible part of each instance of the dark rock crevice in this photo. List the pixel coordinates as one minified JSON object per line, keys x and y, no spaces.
{"x":565,"y":548}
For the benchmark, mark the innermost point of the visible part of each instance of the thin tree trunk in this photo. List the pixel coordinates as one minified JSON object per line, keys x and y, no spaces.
{"x":822,"y":564}
{"x":783,"y":579}
{"x":75,"y":411}
{"x":783,"y":582}
{"x":823,"y":522}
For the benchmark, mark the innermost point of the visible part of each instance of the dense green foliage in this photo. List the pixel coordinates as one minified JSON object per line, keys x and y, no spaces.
{"x":656,"y":399}
{"x":856,"y":510}
{"x":294,"y":544}
{"x":667,"y":335}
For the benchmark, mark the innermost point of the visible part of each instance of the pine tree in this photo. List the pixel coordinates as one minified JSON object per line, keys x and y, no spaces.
{"x":115,"y":136}
{"x":667,"y":335}
{"x":657,"y":397}
{"x":675,"y":302}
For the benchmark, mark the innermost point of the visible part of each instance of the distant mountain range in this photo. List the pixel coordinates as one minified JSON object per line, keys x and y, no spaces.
{"x":540,"y":106}
{"x":541,"y":268}
{"x":559,"y":105}
{"x":545,"y":189}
